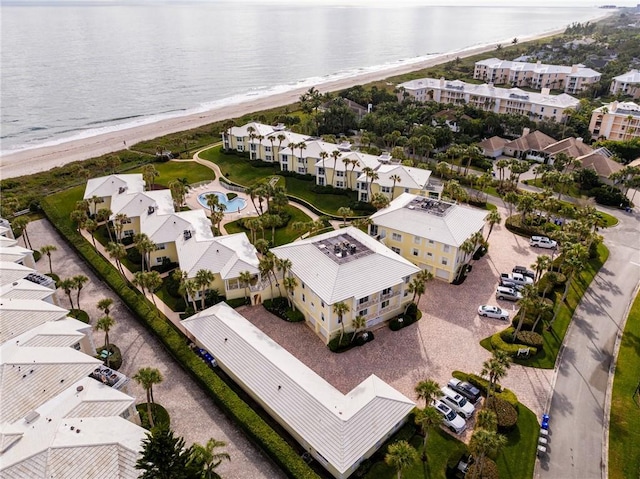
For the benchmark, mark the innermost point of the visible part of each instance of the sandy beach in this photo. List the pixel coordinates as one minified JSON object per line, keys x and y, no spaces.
{"x":27,"y":162}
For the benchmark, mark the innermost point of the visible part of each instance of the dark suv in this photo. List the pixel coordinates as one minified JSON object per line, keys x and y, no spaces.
{"x":524,"y":271}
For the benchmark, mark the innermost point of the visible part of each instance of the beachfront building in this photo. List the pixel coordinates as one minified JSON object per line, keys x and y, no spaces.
{"x":100,"y":191}
{"x":130,"y":209}
{"x":393,"y":180}
{"x":260,"y":141}
{"x":338,"y":430}
{"x":62,"y":413}
{"x":489,"y":98}
{"x":346,"y":266}
{"x":428,"y":232}
{"x":571,"y":79}
{"x":302,"y":157}
{"x":5,"y":229}
{"x":626,"y":84}
{"x":616,"y":121}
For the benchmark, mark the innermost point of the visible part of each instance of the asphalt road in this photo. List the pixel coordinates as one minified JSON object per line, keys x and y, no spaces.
{"x":578,"y":426}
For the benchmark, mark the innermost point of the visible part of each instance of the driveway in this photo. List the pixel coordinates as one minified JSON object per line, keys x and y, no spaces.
{"x":445,"y":339}
{"x":193,"y":415}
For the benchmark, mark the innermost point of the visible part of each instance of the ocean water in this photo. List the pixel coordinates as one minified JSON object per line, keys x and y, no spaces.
{"x":76,"y":69}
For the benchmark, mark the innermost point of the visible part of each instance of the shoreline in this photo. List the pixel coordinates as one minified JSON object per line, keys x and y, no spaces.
{"x":38,"y":159}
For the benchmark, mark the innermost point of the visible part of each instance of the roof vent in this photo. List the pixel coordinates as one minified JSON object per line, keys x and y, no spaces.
{"x":187,"y":234}
{"x":32,"y":416}
{"x":79,"y":388}
{"x":150,"y":210}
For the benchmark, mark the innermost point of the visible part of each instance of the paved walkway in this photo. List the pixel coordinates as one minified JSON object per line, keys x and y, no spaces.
{"x":193,"y":415}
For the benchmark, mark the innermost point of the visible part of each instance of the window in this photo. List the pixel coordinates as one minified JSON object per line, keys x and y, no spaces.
{"x":406,"y":279}
{"x":430,"y":241}
{"x":321,"y":171}
{"x":363,"y":300}
{"x":322,"y":316}
{"x":395,"y":250}
{"x":301,"y":170}
{"x":285,"y":167}
{"x":303,"y":298}
{"x":267,"y":149}
{"x":340,"y":173}
{"x":339,"y":184}
{"x":268,"y":158}
{"x":253,"y":147}
{"x":429,"y":255}
{"x":384,"y":304}
{"x":415,"y":252}
{"x":322,"y":304}
{"x":128,"y":233}
{"x":302,"y":285}
{"x":445,"y":248}
{"x":239,"y":139}
{"x":373,"y":229}
{"x":386,"y":189}
{"x":161,"y":246}
{"x":416,"y":239}
{"x":444,"y":261}
{"x":386,"y":291}
{"x":363,"y":312}
{"x":396,"y":237}
{"x":321,"y":181}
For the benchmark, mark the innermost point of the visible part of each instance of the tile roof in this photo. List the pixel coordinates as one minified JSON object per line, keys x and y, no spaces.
{"x":493,"y":143}
{"x":452,"y":228}
{"x":535,"y":141}
{"x":341,"y":428}
{"x":601,"y":163}
{"x":334,"y":282}
{"x":569,"y":146}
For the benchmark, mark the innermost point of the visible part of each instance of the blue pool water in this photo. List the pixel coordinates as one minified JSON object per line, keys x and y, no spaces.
{"x":233,"y":206}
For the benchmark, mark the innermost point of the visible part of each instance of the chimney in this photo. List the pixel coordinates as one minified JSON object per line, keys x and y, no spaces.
{"x":579,"y":140}
{"x":574,"y":68}
{"x":442,"y":82}
{"x":545,"y":91}
{"x":539,"y":62}
{"x":526,"y":131}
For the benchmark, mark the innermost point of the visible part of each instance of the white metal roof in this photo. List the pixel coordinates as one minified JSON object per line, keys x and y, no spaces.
{"x":334,"y":282}
{"x":632,"y":76}
{"x":539,"y":68}
{"x":137,"y":204}
{"x":410,"y":177}
{"x":18,"y":316}
{"x":363,"y":160}
{"x":25,"y":289}
{"x":11,"y":272}
{"x":342,"y":428}
{"x":453,"y":228}
{"x":111,"y":185}
{"x":226,"y":255}
{"x":260,"y":129}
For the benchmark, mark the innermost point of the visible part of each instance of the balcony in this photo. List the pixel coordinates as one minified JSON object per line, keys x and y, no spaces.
{"x":392,"y":294}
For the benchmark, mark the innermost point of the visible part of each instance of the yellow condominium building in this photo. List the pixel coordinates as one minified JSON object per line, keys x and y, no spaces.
{"x":616,"y":121}
{"x":346,"y":266}
{"x":393,"y":180}
{"x":428,"y":232}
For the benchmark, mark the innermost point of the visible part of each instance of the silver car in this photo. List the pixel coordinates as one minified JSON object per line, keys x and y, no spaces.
{"x":510,"y":294}
{"x":450,"y":418}
{"x":488,"y":311}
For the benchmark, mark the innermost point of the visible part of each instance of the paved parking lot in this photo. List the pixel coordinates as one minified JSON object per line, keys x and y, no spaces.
{"x":445,"y":339}
{"x":193,"y":415}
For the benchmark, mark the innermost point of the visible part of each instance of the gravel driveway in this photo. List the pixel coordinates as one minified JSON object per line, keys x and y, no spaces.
{"x":193,"y":415}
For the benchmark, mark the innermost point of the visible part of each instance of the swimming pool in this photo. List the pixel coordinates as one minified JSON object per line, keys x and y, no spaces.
{"x":233,"y":206}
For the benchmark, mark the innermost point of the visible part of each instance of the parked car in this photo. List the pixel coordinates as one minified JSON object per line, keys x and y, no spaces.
{"x":463,"y":466}
{"x":510,"y":294}
{"x":488,"y":311}
{"x":468,"y":390}
{"x":507,"y":283}
{"x":524,"y":271}
{"x":543,"y":242}
{"x":516,"y":278}
{"x":457,"y":402}
{"x":450,"y":418}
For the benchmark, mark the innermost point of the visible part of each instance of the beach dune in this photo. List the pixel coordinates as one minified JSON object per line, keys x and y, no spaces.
{"x":35,"y":160}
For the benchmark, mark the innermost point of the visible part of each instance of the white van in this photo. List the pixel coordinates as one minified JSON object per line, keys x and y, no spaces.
{"x":457,"y":402}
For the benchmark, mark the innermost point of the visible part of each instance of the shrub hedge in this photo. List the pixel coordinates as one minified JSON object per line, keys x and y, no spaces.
{"x":497,"y":342}
{"x":257,"y":430}
{"x":489,"y":470}
{"x":506,"y":414}
{"x":280,"y":307}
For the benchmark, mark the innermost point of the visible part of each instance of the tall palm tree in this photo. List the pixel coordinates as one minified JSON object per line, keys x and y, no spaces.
{"x":104,"y":305}
{"x":67,"y":285}
{"x":467,"y":247}
{"x":117,"y":252}
{"x":47,"y":249}
{"x":145,"y":247}
{"x":204,"y":277}
{"x":575,"y":256}
{"x":208,"y":459}
{"x":345,"y":211}
{"x":340,"y":309}
{"x":400,"y":455}
{"x":79,"y":281}
{"x":149,"y":173}
{"x":290,"y":284}
{"x":526,"y":303}
{"x":482,"y":443}
{"x":323,"y":156}
{"x":147,"y":377}
{"x":346,"y":162}
{"x":427,"y":419}
{"x":90,"y":227}
{"x":245,"y":278}
{"x":153,"y":281}
{"x":265,"y":265}
{"x":105,"y":324}
{"x":335,"y":154}
{"x":543,"y":262}
{"x":76,"y":216}
{"x":395,"y":179}
{"x":495,"y":368}
{"x":487,"y":419}
{"x":427,"y":390}
{"x":140,"y":281}
{"x":494,"y":219}
{"x":358,"y":323}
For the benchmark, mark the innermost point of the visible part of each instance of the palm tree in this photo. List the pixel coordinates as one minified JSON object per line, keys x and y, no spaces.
{"x":341,"y":308}
{"x":495,"y":368}
{"x":543,"y":262}
{"x":467,"y":247}
{"x":428,"y":390}
{"x":105,"y":324}
{"x":400,"y":455}
{"x":487,"y":419}
{"x":575,"y":256}
{"x":165,"y":456}
{"x":145,"y":246}
{"x":203,"y":278}
{"x":119,"y":220}
{"x":245,"y":280}
{"x":147,"y":377}
{"x":140,"y":281}
{"x":208,"y":459}
{"x":494,"y":219}
{"x":527,"y":302}
{"x":359,"y":322}
{"x":265,"y":266}
{"x":345,"y":211}
{"x":482,"y":443}
{"x":290,"y":284}
{"x":90,"y":227}
{"x":379,"y":200}
{"x":149,"y":173}
{"x":395,"y":179}
{"x":335,"y":154}
{"x":427,"y":419}
{"x":323,"y":156}
{"x":104,"y":305}
{"x":47,"y":249}
{"x":152,"y":281}
{"x":79,"y":281}
{"x":21,"y":222}
{"x":118,"y":252}
{"x":67,"y":285}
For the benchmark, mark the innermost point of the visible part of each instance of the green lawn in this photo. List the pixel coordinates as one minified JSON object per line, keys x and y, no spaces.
{"x":171,"y":170}
{"x":546,"y":358}
{"x":176,"y":304}
{"x":517,"y":459}
{"x":327,"y":203}
{"x":283,"y":235}
{"x":624,"y":431}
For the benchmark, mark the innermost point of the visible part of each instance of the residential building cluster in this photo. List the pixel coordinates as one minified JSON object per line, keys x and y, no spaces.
{"x":62,"y":413}
{"x":626,"y":84}
{"x":570,"y":79}
{"x":490,"y":98}
{"x":338,"y":430}
{"x":331,"y":164}
{"x":616,"y":121}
